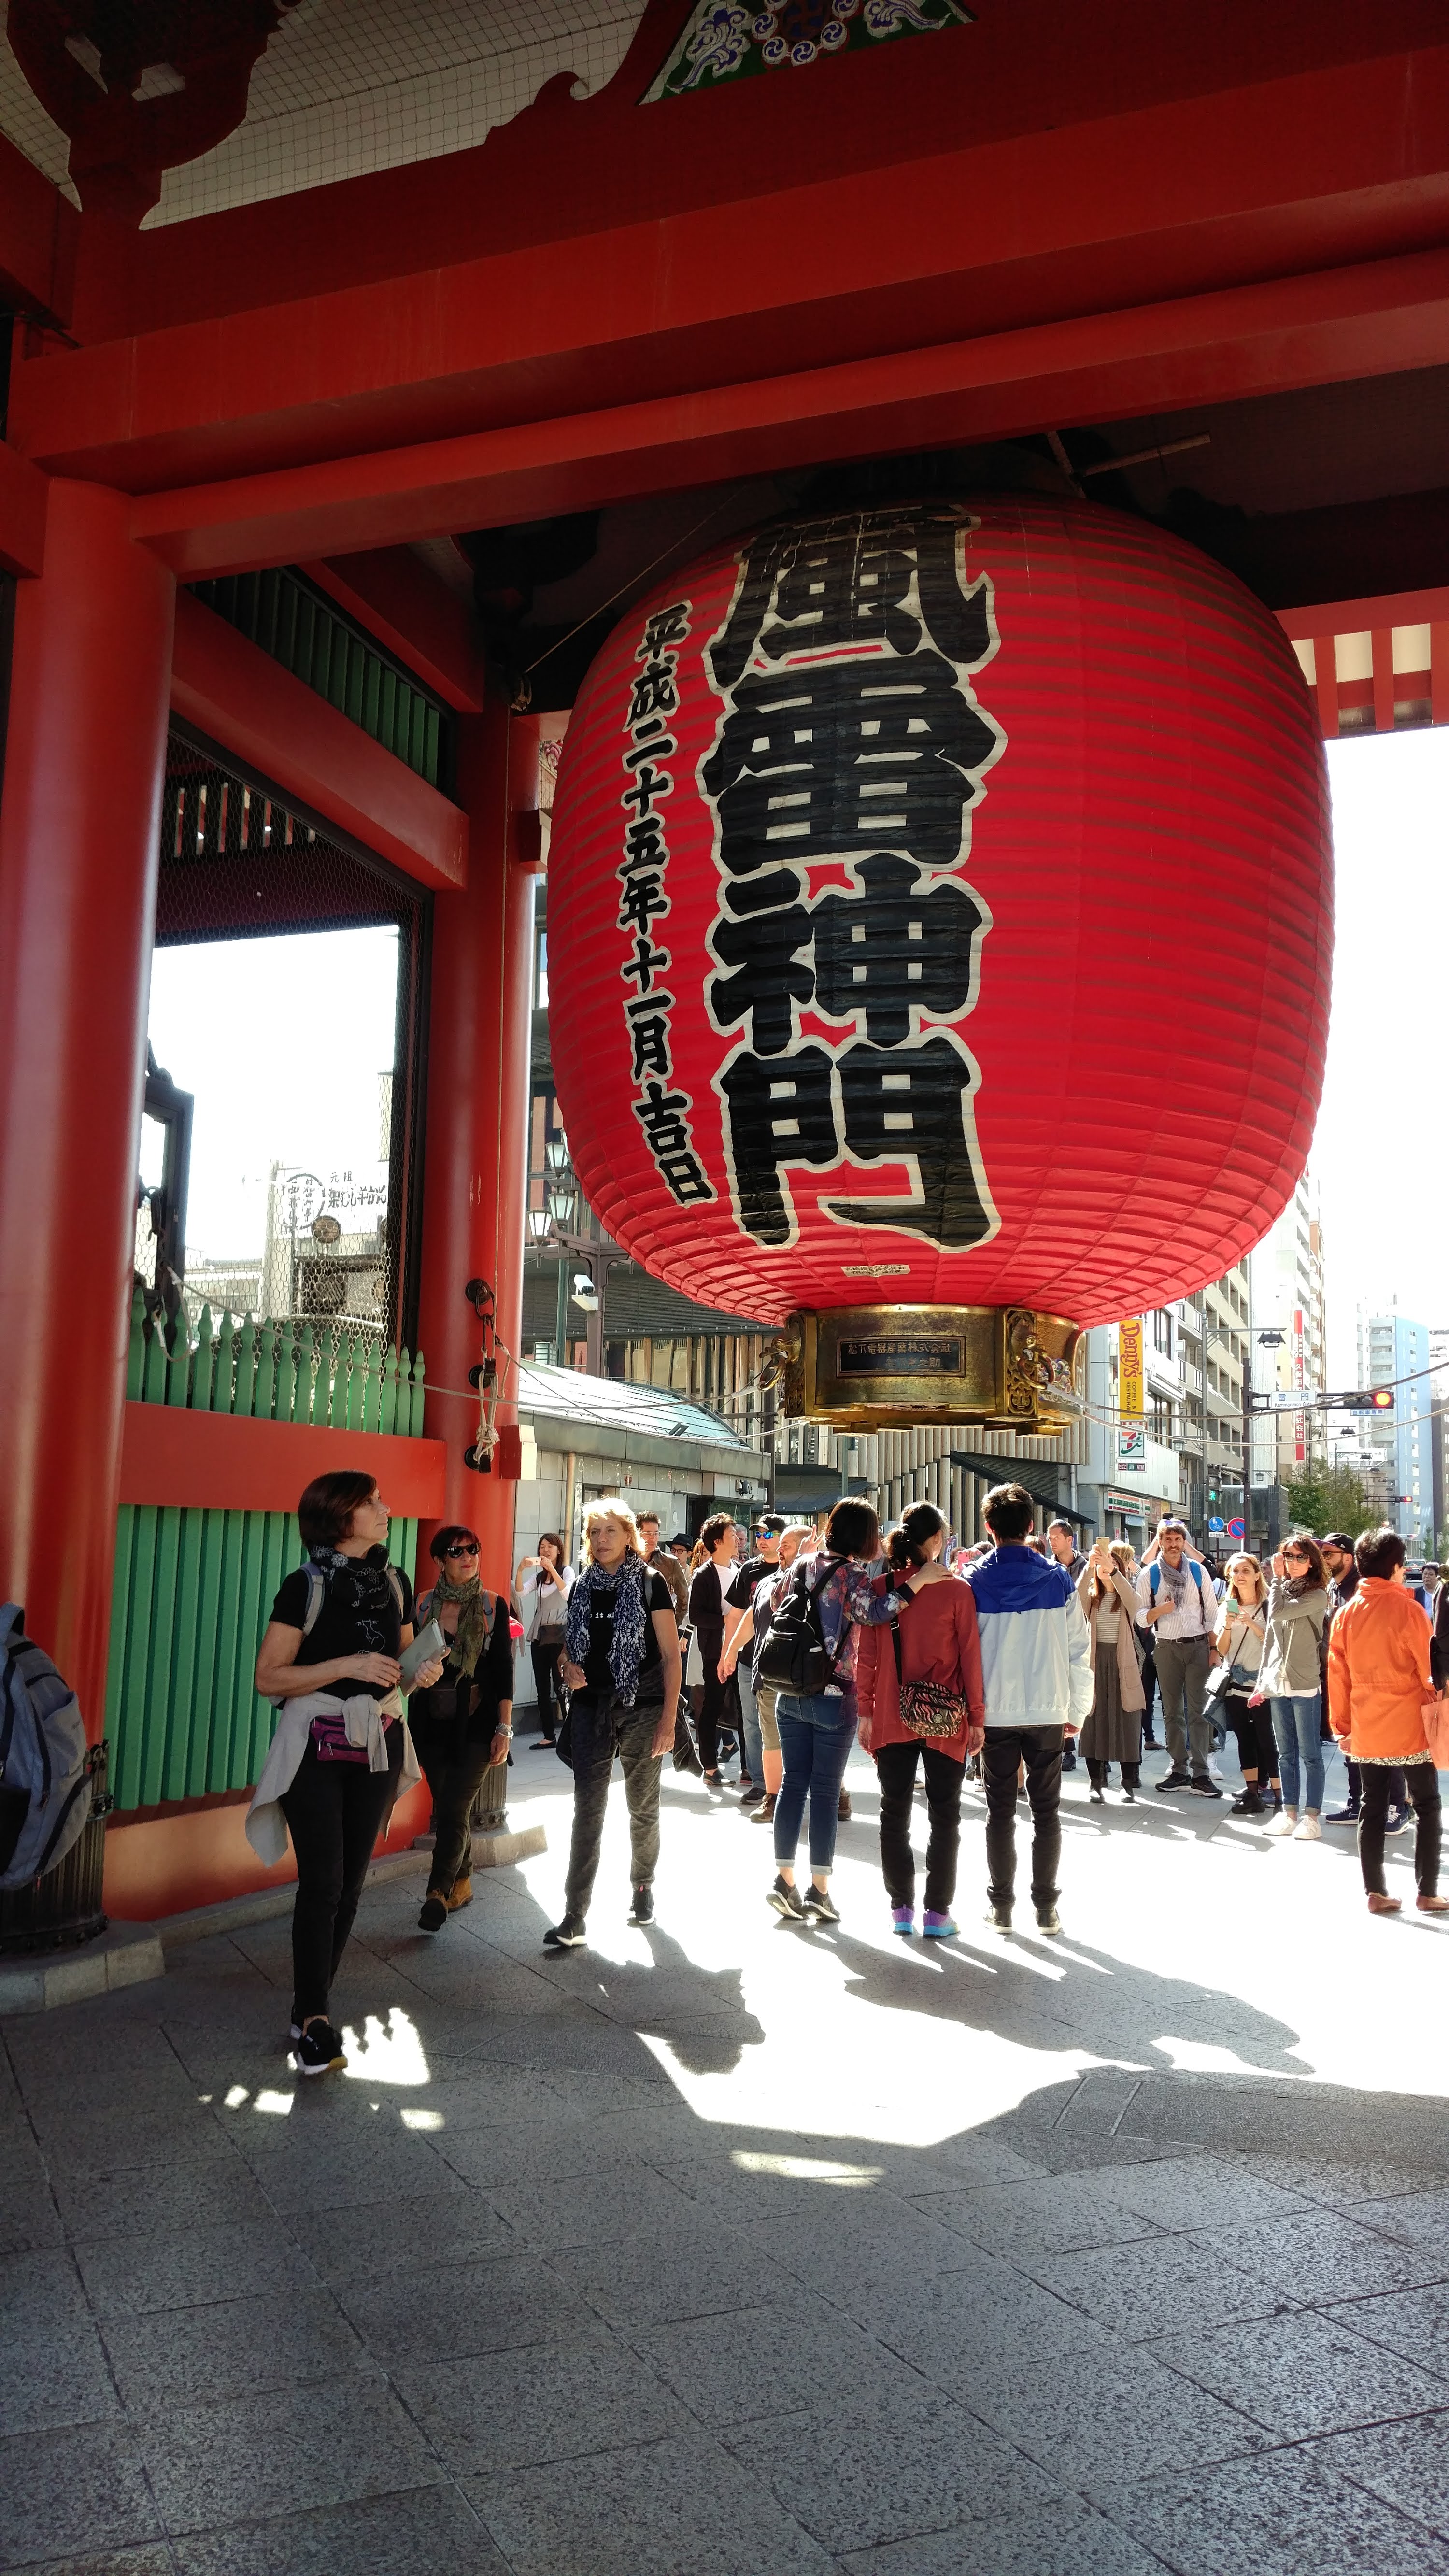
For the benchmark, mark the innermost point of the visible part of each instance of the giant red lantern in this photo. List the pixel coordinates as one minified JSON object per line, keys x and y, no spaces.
{"x":940,"y":926}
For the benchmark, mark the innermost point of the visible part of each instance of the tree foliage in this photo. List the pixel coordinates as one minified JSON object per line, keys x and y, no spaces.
{"x":1330,"y":1498}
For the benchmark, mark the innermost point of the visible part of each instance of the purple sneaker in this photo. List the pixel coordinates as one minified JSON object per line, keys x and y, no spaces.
{"x":903,"y":1920}
{"x":938,"y":1927}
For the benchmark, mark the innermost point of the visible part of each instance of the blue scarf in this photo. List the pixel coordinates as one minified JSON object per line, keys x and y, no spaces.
{"x":631,"y":1630}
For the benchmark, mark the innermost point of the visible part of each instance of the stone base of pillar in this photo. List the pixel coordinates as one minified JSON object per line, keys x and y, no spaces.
{"x":125,"y":1954}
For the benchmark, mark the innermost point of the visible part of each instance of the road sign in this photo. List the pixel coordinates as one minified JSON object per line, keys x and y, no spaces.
{"x":1217,"y":1527}
{"x":1237,"y":1530}
{"x":1289,"y":1399}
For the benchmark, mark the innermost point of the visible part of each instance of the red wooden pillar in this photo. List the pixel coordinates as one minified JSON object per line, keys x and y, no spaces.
{"x":79,"y":826}
{"x":475,"y":1173}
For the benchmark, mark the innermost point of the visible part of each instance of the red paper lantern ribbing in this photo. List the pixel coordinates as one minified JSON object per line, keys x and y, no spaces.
{"x":940,"y":912}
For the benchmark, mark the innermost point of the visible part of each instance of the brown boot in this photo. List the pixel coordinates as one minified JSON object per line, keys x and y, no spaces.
{"x":764,"y":1814}
{"x":843,"y":1807}
{"x":462,"y":1894}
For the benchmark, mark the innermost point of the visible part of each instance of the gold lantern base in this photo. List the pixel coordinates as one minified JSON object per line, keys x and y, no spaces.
{"x":910,"y":1368}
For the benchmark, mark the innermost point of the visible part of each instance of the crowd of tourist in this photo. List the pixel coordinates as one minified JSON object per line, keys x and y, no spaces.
{"x":785,"y":1646}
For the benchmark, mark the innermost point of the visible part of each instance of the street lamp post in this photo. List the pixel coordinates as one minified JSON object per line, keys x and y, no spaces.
{"x":552,"y":1230}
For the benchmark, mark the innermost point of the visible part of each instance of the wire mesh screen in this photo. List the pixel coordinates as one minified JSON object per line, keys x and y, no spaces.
{"x":304,"y":1184}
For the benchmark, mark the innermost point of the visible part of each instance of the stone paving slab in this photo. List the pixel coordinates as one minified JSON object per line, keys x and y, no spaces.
{"x":719,"y":2249}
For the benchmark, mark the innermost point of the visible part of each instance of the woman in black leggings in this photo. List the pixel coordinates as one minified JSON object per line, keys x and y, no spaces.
{"x":341,"y":1753}
{"x":1238,"y":1643}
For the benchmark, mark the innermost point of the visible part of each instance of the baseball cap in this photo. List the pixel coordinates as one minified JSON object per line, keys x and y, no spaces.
{"x":1337,"y":1538}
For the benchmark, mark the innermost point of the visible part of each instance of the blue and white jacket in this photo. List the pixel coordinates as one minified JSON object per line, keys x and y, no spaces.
{"x":1036,"y":1647}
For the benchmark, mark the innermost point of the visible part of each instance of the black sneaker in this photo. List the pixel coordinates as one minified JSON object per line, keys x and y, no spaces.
{"x":1173,"y":1780}
{"x":999,"y":1916}
{"x":1395,"y":1820}
{"x":820,"y":1903}
{"x":319,"y":2050}
{"x":642,"y":1909}
{"x":568,"y":1935}
{"x":434,"y":1913}
{"x":1344,"y":1815}
{"x":1048,"y":1921}
{"x":1202,"y":1786}
{"x":786,"y":1901}
{"x":1248,"y":1803}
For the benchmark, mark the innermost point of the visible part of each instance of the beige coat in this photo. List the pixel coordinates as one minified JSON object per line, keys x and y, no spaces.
{"x":1129,"y":1674}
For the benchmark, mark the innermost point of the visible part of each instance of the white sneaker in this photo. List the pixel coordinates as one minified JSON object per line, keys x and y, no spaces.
{"x":1309,"y":1831}
{"x":1285,"y":1822}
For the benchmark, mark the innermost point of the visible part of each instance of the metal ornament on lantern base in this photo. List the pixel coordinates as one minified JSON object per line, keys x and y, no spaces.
{"x":903,"y":1368}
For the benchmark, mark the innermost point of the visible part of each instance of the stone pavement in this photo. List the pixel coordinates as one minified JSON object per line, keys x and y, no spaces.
{"x":726,"y":2249}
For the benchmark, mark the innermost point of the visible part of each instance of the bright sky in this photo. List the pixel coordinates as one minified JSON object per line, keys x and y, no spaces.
{"x":282,"y":1041}
{"x":1375,"y":1152}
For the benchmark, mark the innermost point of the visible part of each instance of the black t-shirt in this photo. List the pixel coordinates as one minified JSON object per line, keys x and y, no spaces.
{"x":601,"y":1638}
{"x":343,"y":1626}
{"x":747,"y":1580}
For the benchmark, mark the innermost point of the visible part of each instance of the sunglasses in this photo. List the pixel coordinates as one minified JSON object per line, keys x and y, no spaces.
{"x":460,"y":1551}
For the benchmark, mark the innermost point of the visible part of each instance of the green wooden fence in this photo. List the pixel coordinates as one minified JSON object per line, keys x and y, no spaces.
{"x":193,"y":1589}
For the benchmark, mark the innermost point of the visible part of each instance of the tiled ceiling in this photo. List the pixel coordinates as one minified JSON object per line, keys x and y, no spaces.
{"x":347,"y":86}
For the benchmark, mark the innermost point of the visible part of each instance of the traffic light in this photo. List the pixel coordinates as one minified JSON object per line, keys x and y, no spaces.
{"x":1363,"y":1399}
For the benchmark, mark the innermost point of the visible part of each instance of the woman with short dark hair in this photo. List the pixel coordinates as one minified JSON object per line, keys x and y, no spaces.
{"x":463,"y":1725}
{"x":340,"y":1756}
{"x":817,"y":1729}
{"x":1379,"y":1677}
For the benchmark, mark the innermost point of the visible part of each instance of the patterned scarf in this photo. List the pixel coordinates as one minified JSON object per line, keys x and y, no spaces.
{"x":475,"y":1619}
{"x":360,"y":1585}
{"x":1175,"y":1581}
{"x":631,"y":1621}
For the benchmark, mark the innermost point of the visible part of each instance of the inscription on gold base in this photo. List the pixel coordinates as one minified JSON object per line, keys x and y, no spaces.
{"x":899,"y":1368}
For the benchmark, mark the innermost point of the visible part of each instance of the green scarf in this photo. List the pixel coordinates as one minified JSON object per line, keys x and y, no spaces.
{"x":474,"y":1621}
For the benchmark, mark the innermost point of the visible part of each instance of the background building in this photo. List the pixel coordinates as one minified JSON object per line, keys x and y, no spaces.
{"x":1392,"y":1351}
{"x":1287,"y":1348}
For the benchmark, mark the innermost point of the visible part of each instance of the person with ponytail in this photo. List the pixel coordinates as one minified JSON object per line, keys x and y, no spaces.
{"x":922,"y":1703}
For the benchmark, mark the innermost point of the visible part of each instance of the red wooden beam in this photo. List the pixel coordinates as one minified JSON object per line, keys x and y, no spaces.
{"x":23,"y":494}
{"x":244,"y":700}
{"x":1360,"y":616}
{"x":1374,"y":318}
{"x":415,"y":615}
{"x":1273,"y":181}
{"x":227,"y":1461}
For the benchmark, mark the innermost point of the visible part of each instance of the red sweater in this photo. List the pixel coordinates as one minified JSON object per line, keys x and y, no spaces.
{"x":939,"y":1643}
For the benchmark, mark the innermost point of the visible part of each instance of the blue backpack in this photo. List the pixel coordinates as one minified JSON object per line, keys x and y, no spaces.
{"x":45,"y":1781}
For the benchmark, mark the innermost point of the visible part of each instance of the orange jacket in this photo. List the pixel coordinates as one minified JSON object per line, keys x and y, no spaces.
{"x":1378,"y":1672}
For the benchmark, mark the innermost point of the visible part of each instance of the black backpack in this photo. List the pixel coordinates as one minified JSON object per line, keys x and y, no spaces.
{"x":794,"y":1656}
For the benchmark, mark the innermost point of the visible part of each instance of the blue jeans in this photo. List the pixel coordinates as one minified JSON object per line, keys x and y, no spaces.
{"x":1295,"y":1728}
{"x":815,"y":1740}
{"x":753,"y":1749}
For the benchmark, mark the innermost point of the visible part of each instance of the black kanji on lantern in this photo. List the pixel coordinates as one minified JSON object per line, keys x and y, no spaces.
{"x":895,"y":948}
{"x":779,"y":1111}
{"x":769,"y":976}
{"x":913,"y":1104}
{"x":880,"y":577}
{"x":826,"y":761}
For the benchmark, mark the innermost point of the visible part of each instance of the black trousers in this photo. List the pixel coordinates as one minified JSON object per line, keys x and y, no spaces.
{"x":1040,"y":1748}
{"x":335,"y":1812}
{"x":552,"y":1700}
{"x":1378,"y":1786}
{"x":1397,"y":1797}
{"x":1253,"y":1727}
{"x":711,"y":1715}
{"x":896,"y":1771}
{"x":453,"y":1767}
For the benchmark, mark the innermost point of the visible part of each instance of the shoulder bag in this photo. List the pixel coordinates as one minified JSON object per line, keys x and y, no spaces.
{"x":928,"y":1709}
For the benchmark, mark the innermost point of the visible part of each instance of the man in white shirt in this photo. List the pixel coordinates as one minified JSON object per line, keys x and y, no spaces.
{"x":1179,"y":1611}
